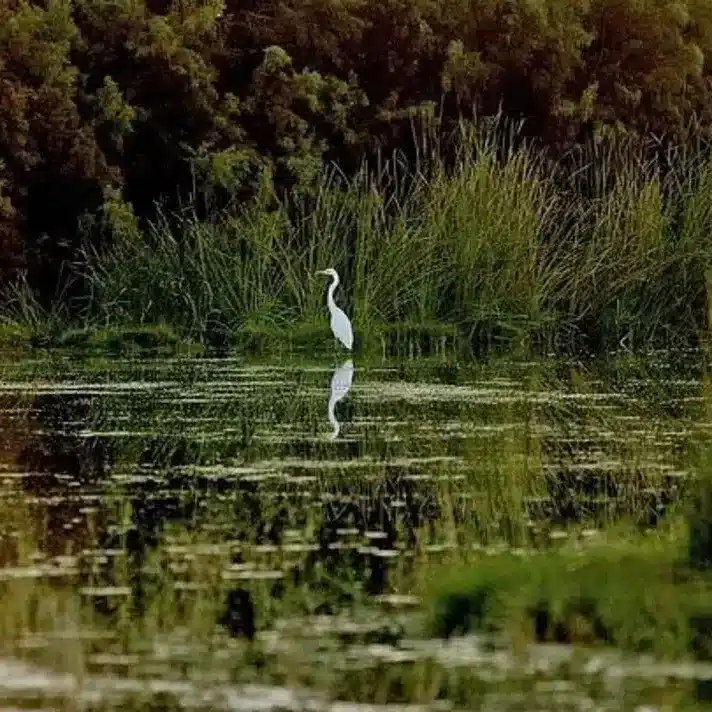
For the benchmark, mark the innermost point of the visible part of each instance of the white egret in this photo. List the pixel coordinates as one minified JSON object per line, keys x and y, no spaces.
{"x":340,"y":385}
{"x":340,"y":324}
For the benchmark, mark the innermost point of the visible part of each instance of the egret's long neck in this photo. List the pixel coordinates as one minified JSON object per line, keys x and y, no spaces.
{"x":330,"y":295}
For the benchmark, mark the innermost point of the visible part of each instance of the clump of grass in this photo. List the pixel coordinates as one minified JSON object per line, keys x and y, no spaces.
{"x":488,"y":215}
{"x":700,"y":551}
{"x":159,"y":337}
{"x":302,"y":336}
{"x":14,"y":335}
{"x":453,"y":248}
{"x":635,"y":595}
{"x":25,"y":317}
{"x":205,"y":279}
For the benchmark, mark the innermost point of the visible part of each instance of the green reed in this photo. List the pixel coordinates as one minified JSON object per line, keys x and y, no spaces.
{"x":496,"y":241}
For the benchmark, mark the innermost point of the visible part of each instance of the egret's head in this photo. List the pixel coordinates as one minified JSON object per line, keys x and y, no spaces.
{"x":330,"y":272}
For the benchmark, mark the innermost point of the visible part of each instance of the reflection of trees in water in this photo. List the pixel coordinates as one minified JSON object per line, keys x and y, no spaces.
{"x":13,"y":427}
{"x":259,"y":512}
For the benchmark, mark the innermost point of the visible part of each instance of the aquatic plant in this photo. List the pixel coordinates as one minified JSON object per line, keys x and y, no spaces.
{"x":498,"y":243}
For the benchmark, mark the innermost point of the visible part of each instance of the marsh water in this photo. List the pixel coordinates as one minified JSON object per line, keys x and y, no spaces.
{"x":240,"y":534}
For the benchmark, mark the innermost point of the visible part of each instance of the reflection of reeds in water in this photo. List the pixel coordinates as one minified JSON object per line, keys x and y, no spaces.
{"x":216,"y":491}
{"x":700,"y":514}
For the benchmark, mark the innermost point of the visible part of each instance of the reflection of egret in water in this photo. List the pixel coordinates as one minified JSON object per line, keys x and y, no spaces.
{"x":340,"y":385}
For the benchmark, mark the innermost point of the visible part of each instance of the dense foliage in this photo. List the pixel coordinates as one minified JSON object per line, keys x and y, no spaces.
{"x":108,"y":105}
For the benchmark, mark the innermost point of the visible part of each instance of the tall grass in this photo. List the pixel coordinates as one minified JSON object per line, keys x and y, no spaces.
{"x":496,"y":239}
{"x":636,"y":247}
{"x":20,"y":306}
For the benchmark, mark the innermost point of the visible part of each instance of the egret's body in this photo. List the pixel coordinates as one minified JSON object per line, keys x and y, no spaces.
{"x":340,"y":324}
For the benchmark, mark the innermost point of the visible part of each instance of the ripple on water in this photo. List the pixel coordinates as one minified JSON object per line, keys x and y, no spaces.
{"x":168,"y":485}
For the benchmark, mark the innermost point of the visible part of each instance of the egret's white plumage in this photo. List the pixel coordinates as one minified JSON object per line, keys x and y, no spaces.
{"x":340,"y":324}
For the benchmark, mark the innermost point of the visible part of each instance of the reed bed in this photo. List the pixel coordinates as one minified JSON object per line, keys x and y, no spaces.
{"x":495,"y":240}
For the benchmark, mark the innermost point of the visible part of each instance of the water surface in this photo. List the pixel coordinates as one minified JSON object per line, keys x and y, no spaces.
{"x":227,"y":534}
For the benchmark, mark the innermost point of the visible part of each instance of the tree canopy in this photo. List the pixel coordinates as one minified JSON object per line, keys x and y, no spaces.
{"x":109,"y":105}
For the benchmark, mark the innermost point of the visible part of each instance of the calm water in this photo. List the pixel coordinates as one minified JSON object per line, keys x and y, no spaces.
{"x":155,"y":515}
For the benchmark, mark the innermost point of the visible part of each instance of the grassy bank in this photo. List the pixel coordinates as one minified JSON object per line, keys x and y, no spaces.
{"x":420,"y":340}
{"x":500,"y":246}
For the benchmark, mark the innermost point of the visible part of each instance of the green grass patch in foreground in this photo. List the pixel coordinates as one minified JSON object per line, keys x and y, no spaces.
{"x":640,"y":597}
